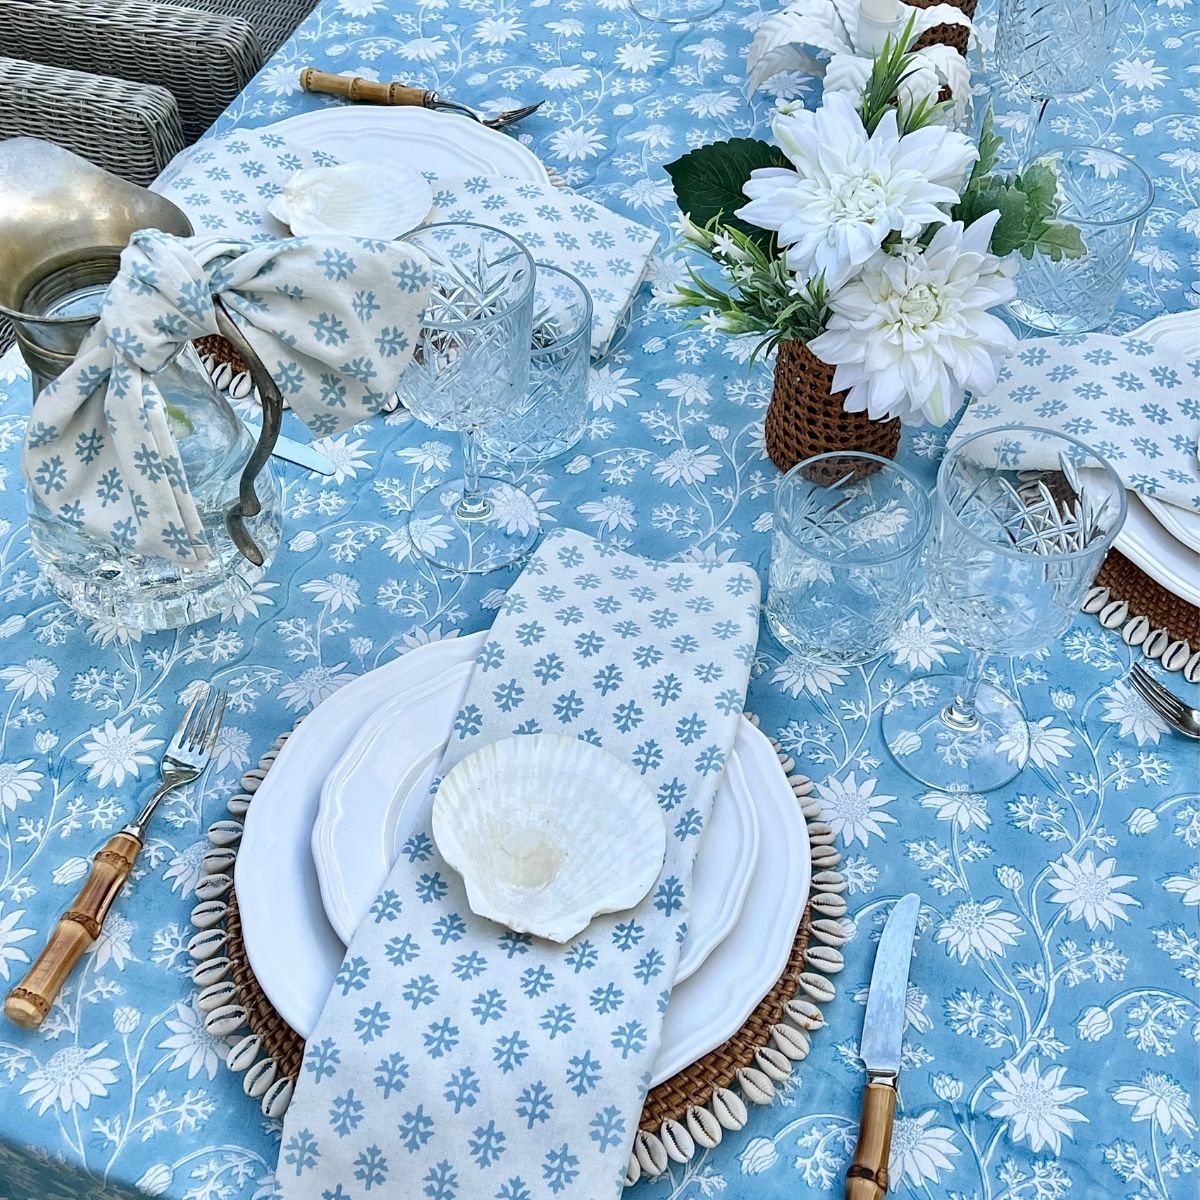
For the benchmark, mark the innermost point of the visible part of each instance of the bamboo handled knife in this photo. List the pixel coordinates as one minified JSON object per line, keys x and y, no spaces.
{"x":883,"y":1031}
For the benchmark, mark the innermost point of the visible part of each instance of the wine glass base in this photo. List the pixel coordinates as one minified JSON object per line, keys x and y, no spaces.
{"x":497,"y":539}
{"x":675,"y":12}
{"x":933,"y":751}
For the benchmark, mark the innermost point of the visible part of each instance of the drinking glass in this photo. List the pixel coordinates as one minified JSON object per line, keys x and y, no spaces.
{"x":1053,"y":49}
{"x":848,"y":535}
{"x":1106,"y":196}
{"x":675,"y":12}
{"x":551,"y":417}
{"x":469,"y":371}
{"x":1023,"y":517}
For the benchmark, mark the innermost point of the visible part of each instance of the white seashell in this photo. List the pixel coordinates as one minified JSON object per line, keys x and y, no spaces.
{"x":1114,"y":613}
{"x":1192,"y":671}
{"x":728,"y":1108}
{"x":217,"y":995}
{"x":828,"y":904}
{"x":831,"y":933}
{"x":801,"y":785}
{"x":817,"y":986}
{"x":547,"y":831}
{"x":238,"y":805}
{"x":208,"y":913}
{"x":756,"y":1087}
{"x":703,"y":1126}
{"x":213,"y":887}
{"x":791,"y":1042}
{"x":364,"y":199}
{"x":1175,"y":655}
{"x":279,"y":1096}
{"x":810,"y":806}
{"x":1135,"y":631}
{"x":225,"y":833}
{"x":633,"y":1171}
{"x":824,"y":958}
{"x":772,"y":1063}
{"x":208,"y":362}
{"x":824,"y":858}
{"x":219,"y":860}
{"x":241,"y":386}
{"x":245,"y":1053}
{"x":677,"y":1142}
{"x":804,"y":1013}
{"x":820,"y":833}
{"x":828,"y":881}
{"x":209,"y":971}
{"x":1156,"y":643}
{"x":208,"y":943}
{"x":221,"y":1022}
{"x":222,"y":377}
{"x":259,"y":1077}
{"x":1095,"y":600}
{"x":651,"y":1153}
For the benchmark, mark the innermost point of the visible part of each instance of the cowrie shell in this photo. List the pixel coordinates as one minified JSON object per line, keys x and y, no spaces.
{"x":1113,"y":614}
{"x":831,"y":932}
{"x":1156,"y":643}
{"x":633,"y":1171}
{"x":222,"y":377}
{"x":212,"y":887}
{"x":1095,"y":600}
{"x":1175,"y":655}
{"x":209,"y":971}
{"x":772,"y":1063}
{"x":259,"y":1077}
{"x":677,"y":1141}
{"x":829,"y":904}
{"x":756,"y":1087}
{"x":245,"y":1053}
{"x":651,"y":1153}
{"x":225,"y":833}
{"x":824,"y":958}
{"x":729,"y":1109}
{"x":703,"y":1126}
{"x":817,"y":986}
{"x":208,"y":943}
{"x":1136,"y":631}
{"x":239,"y":389}
{"x":217,"y":995}
{"x":278,"y":1097}
{"x":219,"y":860}
{"x":208,"y":913}
{"x":804,"y":1013}
{"x":828,"y":881}
{"x":791,"y":1042}
{"x":221,"y":1022}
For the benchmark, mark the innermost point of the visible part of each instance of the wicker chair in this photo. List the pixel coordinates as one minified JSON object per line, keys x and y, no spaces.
{"x":273,"y":20}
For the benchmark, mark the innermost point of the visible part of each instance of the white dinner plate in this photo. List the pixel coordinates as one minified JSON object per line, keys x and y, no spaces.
{"x":1143,"y":539}
{"x":295,"y":952}
{"x":375,"y":797}
{"x":442,"y":144}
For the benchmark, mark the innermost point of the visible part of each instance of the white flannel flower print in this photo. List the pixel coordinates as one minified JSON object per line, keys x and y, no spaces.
{"x":515,"y":1059}
{"x":1036,"y":1104}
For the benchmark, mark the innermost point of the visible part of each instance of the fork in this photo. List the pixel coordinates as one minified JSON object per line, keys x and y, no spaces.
{"x":184,"y":760}
{"x":1181,"y":717}
{"x":368,"y":91}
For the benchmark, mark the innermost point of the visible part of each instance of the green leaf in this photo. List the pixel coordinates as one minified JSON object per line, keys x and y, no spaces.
{"x":1058,"y":241}
{"x":708,"y":182}
{"x":990,"y":144}
{"x":1012,"y":229}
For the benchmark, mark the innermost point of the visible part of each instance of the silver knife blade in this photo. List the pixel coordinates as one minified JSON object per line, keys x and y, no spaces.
{"x":883,"y":1024}
{"x":297,"y":452}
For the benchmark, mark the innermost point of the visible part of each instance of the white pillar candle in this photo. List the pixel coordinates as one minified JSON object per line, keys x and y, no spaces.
{"x":877,"y":19}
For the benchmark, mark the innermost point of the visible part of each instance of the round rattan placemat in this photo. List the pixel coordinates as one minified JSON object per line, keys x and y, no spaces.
{"x":682,"y":1116}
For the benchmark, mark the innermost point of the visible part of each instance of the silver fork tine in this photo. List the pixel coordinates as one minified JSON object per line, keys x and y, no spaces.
{"x":214,"y":726}
{"x":186,"y":721}
{"x":1160,"y":698}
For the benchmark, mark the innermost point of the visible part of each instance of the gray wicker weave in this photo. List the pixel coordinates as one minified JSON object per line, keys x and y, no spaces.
{"x":272,"y":20}
{"x":204,"y":59}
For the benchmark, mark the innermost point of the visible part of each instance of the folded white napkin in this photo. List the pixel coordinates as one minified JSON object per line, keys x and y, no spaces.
{"x":456,"y":1058}
{"x":1135,"y":403}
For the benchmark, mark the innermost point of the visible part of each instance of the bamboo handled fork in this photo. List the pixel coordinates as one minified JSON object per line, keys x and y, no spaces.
{"x":184,"y":760}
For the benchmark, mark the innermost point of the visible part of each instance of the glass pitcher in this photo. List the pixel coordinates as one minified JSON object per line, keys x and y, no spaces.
{"x":63,"y":224}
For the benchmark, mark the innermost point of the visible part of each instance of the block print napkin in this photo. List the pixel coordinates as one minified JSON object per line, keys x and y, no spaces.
{"x":457,"y":1060}
{"x":1136,"y":404}
{"x":608,"y":253}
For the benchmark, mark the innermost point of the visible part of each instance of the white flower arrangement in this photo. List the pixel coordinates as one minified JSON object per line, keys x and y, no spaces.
{"x":876,"y":235}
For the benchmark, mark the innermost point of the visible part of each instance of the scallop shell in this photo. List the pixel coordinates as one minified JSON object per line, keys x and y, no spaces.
{"x":547,"y":832}
{"x":364,"y":199}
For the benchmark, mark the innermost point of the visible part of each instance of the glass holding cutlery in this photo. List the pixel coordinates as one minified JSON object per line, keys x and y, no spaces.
{"x":848,"y":535}
{"x":551,"y":417}
{"x":1052,"y":49}
{"x":1023,"y":518}
{"x":469,"y":373}
{"x":1106,"y":196}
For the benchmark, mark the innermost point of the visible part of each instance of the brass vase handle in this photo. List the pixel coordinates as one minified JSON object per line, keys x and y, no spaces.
{"x":366,"y":91}
{"x":867,"y":1178}
{"x":29,"y":1002}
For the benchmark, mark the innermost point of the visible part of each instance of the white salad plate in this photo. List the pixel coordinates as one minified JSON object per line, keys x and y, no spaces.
{"x":295,"y":952}
{"x":438,"y":144}
{"x":375,"y":796}
{"x":1167,"y":552}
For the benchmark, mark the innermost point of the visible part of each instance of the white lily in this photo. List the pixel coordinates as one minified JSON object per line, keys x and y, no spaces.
{"x":787,"y":41}
{"x":914,"y":330}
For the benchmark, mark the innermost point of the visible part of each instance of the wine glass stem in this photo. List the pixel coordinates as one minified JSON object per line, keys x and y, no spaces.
{"x":960,"y":713}
{"x":1037,"y":113}
{"x":474,"y":505}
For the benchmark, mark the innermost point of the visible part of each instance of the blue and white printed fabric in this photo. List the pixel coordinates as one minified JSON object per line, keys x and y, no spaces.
{"x":456,"y":1058}
{"x":333,"y":319}
{"x":1135,"y":403}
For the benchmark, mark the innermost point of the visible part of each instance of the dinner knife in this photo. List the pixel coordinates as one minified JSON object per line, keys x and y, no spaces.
{"x":883,"y":1031}
{"x":296,"y":452}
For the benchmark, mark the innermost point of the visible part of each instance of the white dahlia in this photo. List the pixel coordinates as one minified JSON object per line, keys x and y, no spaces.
{"x":914,"y":331}
{"x":850,"y":189}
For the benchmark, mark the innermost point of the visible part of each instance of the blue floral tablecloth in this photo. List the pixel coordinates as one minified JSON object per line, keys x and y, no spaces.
{"x":1051,"y":1045}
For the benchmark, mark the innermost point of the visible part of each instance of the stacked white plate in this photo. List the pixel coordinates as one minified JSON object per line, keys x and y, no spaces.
{"x":352,"y":785}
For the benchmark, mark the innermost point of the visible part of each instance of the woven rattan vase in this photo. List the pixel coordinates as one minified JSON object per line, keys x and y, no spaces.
{"x":947,"y":35}
{"x":807,"y":417}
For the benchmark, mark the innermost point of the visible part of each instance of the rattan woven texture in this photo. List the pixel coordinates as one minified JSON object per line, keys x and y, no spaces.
{"x":806,"y":417}
{"x":1128,"y":582}
{"x":272,"y":20}
{"x":947,"y":35}
{"x":203,"y":59}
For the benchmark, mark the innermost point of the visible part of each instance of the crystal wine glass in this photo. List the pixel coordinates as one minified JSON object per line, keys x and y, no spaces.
{"x":1023,"y":517}
{"x":675,"y":12}
{"x":1053,"y":49}
{"x":469,"y":371}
